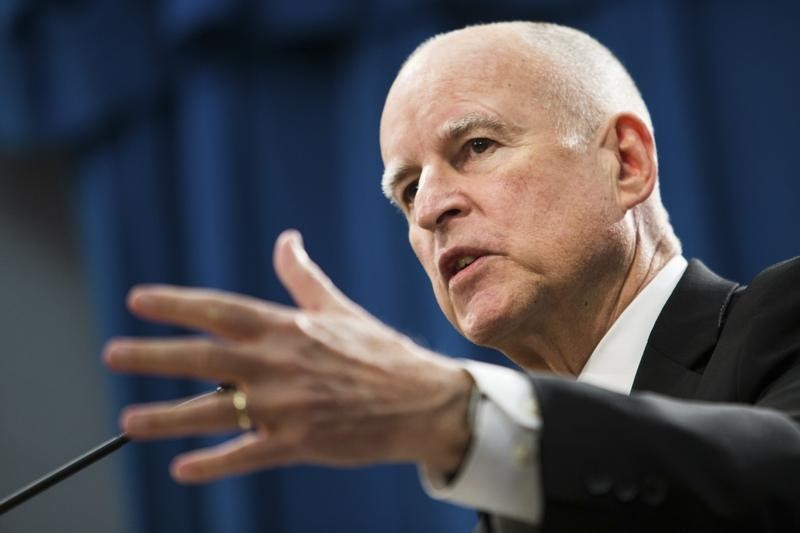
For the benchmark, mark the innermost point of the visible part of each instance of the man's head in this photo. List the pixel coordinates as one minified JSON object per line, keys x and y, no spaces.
{"x":528,"y":147}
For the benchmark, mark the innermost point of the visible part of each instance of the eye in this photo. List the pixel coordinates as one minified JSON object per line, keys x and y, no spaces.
{"x":480,"y":145}
{"x":409,"y":193}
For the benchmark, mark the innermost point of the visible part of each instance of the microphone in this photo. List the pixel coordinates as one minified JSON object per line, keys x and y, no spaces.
{"x":79,"y":463}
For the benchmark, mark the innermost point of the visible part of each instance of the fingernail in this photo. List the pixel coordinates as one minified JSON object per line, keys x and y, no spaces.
{"x":297,"y":239}
{"x":113,"y":352}
{"x":183,"y":471}
{"x":298,"y":249}
{"x":131,"y":423}
{"x":143,"y":299}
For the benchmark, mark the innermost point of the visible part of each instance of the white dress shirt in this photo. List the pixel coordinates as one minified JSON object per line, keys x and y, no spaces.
{"x":501,"y":473}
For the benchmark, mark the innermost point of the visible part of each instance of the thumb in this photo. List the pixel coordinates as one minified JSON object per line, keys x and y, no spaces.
{"x":309,"y":286}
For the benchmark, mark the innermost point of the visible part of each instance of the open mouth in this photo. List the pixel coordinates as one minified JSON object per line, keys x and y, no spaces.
{"x":463,"y":263}
{"x":456,"y":260}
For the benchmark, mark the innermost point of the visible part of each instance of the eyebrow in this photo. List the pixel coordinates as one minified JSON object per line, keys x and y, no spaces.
{"x":475,"y":121}
{"x":391,"y":177}
{"x":450,"y":131}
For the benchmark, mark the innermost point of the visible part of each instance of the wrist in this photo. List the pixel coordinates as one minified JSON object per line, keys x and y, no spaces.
{"x":451,"y":428}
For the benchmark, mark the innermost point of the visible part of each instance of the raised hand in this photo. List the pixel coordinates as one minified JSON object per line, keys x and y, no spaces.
{"x":325,"y":383}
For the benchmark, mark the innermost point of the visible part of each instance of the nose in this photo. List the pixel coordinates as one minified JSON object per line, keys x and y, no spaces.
{"x":438,"y":199}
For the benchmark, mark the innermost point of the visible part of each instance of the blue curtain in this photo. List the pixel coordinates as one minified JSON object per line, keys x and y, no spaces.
{"x":198,"y":129}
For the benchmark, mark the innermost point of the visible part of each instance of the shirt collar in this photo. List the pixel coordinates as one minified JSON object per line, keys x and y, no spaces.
{"x":616,"y":357}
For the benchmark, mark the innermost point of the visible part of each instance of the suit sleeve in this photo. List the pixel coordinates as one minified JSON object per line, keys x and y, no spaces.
{"x":617,"y":463}
{"x":728,"y":461}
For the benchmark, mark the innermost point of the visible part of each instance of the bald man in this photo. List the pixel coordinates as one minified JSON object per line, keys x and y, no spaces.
{"x":523,"y":158}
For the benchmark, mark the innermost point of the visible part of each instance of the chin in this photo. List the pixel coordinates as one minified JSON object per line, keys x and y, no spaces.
{"x":487,"y":327}
{"x":493,"y":311}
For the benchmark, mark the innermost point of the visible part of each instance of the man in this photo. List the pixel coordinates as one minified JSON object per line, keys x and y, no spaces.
{"x":523,"y":158}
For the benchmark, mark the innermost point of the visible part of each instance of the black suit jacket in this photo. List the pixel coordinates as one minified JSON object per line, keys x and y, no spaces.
{"x":709,"y":440}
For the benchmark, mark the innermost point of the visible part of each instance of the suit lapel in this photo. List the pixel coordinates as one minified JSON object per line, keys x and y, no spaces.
{"x":685,"y":333}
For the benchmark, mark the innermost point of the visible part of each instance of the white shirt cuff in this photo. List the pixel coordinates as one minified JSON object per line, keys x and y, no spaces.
{"x":501,"y":473}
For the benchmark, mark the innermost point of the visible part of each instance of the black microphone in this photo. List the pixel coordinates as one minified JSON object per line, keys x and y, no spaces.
{"x":79,"y":463}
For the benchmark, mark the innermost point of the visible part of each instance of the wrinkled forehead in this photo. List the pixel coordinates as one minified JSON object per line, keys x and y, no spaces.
{"x":483,"y":67}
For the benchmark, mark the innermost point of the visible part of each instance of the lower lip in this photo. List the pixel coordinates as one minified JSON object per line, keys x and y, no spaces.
{"x":466,"y":272}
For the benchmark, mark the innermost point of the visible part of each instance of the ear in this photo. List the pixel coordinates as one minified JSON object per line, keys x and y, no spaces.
{"x":631,"y":141}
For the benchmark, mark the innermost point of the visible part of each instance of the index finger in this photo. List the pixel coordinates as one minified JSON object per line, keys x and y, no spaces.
{"x":224,"y":314}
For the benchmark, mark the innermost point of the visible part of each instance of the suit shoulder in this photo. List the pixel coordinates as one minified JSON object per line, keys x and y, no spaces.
{"x":762,"y":329}
{"x":779,"y":281}
{"x":789,"y":267}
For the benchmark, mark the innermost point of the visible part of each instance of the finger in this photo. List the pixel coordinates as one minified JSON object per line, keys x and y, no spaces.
{"x":193,"y":357}
{"x":207,"y":415}
{"x":224,"y":314}
{"x":246,"y":453}
{"x":308,"y":285}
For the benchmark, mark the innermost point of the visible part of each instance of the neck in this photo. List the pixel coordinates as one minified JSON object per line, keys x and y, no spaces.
{"x":573,"y":330}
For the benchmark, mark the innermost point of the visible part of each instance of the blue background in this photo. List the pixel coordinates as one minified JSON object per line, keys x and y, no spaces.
{"x":198,"y":129}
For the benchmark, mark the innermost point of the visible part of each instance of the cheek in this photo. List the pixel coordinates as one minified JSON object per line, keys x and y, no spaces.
{"x":530,"y":202}
{"x":421,"y":249}
{"x":556,"y":208}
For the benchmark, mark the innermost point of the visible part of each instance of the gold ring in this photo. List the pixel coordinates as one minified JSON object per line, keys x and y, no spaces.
{"x":240,"y":404}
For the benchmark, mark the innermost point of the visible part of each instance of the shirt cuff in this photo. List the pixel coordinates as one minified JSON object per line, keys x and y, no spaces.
{"x":501,"y":473}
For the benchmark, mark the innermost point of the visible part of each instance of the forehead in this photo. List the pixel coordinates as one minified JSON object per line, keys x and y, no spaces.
{"x":452,"y":78}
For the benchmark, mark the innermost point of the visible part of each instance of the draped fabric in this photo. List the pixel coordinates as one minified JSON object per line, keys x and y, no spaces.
{"x":198,"y":129}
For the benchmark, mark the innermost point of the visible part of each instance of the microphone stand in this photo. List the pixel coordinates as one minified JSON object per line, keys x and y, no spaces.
{"x":63,"y":472}
{"x":78,"y":464}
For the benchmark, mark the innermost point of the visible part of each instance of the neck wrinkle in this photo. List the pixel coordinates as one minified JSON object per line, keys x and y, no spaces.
{"x":648,"y":255}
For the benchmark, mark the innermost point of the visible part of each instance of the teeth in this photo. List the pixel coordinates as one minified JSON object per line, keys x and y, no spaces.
{"x":464,"y":262}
